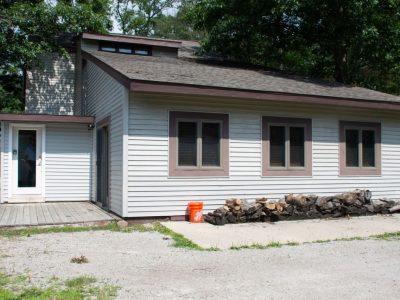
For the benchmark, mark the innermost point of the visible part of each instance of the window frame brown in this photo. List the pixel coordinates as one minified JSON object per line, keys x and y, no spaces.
{"x":344,"y":170}
{"x":199,"y":118}
{"x":267,"y":170}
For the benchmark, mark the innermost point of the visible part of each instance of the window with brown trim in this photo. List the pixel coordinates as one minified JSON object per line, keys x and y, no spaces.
{"x":286,"y":146}
{"x":198,"y":144}
{"x":360,"y":148}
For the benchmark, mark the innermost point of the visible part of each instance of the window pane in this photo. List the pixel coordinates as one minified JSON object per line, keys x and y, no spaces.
{"x":27,"y":158}
{"x":141,"y":52}
{"x":108,"y":49}
{"x":125,"y":50}
{"x":368,"y":148}
{"x":297,"y":146}
{"x":277,"y":146}
{"x":187,"y":144}
{"x":211,"y":144}
{"x":352,"y":148}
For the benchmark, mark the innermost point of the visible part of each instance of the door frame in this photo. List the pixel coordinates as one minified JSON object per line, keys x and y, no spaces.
{"x":11,"y":173}
{"x":105,"y":122}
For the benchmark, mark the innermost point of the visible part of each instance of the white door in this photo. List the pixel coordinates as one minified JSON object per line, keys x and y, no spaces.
{"x":26,"y":163}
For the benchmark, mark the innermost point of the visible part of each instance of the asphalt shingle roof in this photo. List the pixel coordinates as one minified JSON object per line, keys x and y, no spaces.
{"x":192,"y":72}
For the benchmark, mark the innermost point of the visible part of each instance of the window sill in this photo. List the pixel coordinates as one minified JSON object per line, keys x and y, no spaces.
{"x":217,"y":172}
{"x":360,"y":172}
{"x":350,"y":173}
{"x":192,"y":177}
{"x":287,"y":173}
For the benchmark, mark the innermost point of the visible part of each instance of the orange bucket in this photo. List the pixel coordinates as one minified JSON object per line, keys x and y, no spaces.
{"x":195,"y":212}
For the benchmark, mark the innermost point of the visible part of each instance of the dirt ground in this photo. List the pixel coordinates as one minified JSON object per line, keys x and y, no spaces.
{"x":146,"y":267}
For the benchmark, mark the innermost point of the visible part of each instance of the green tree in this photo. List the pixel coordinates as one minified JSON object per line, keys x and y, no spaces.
{"x":352,"y":41}
{"x":28,"y":28}
{"x":177,"y":26}
{"x":139,"y":16}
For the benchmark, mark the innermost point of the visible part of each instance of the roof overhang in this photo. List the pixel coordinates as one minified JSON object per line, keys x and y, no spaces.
{"x":142,"y":86}
{"x":133,"y":40}
{"x":181,"y":89}
{"x":36,"y":118}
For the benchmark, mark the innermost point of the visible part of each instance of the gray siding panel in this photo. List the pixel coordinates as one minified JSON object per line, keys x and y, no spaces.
{"x":50,"y":87}
{"x":105,"y":98}
{"x":68,"y":163}
{"x":151,"y":192}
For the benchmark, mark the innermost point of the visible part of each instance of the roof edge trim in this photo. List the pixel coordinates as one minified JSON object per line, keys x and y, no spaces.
{"x":195,"y":90}
{"x":46,"y":118}
{"x":133,"y":40}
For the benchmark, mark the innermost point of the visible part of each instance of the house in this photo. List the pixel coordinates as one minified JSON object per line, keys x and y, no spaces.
{"x":142,"y":127}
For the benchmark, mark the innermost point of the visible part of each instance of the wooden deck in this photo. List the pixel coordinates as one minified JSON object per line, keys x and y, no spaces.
{"x":51,"y":213}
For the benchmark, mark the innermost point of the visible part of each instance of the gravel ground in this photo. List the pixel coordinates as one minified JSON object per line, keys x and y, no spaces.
{"x":223,"y":237}
{"x":146,"y":267}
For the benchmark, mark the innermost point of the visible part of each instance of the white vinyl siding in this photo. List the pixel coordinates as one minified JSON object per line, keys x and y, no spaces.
{"x":4,"y":161}
{"x":68,"y":162}
{"x":105,"y":98}
{"x":50,"y":86}
{"x":151,"y":192}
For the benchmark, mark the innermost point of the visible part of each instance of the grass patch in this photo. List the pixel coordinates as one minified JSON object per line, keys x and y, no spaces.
{"x":42,"y":230}
{"x":388,"y":236}
{"x":13,"y":288}
{"x":136,"y":228}
{"x":180,"y":241}
{"x":354,"y":238}
{"x":264,"y":246}
{"x":28,"y":231}
{"x":80,"y":282}
{"x":4,"y":279}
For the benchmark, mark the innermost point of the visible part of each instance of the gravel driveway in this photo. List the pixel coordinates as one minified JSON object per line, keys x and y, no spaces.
{"x":146,"y":267}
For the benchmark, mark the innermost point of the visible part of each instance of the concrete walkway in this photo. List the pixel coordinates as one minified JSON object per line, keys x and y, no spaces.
{"x":52,"y":213}
{"x":224,"y":237}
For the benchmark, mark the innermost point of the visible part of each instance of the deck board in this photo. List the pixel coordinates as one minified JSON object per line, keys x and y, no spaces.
{"x":5,"y":216}
{"x":47,"y":215}
{"x":12,"y":217}
{"x":51,"y":213}
{"x":40,"y":215}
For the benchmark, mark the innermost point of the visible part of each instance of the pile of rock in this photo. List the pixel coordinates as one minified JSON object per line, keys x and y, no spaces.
{"x":298,"y":207}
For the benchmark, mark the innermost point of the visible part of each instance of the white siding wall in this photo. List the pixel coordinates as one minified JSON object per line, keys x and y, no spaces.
{"x":68,"y":162}
{"x":106,"y":97}
{"x":152,"y":193}
{"x":4,"y":161}
{"x":50,"y":87}
{"x":68,"y":151}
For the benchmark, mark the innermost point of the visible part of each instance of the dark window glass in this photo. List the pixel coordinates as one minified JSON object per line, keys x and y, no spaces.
{"x":187,"y":144}
{"x":108,"y":48}
{"x":210,"y":144}
{"x":297,"y":146}
{"x":352,"y":153}
{"x":125,"y":50}
{"x":368,"y":148}
{"x":141,"y":52}
{"x":277,"y":146}
{"x":27,"y":158}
